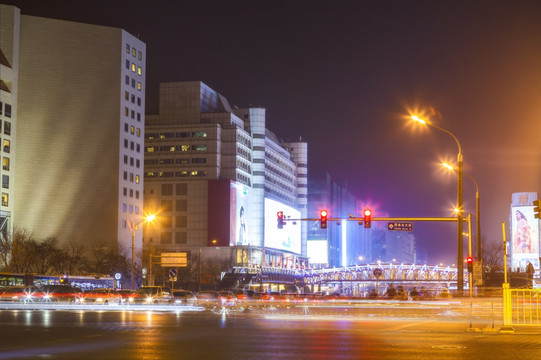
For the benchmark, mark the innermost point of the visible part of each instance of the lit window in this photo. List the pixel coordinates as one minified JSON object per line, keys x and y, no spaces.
{"x":171,"y":148}
{"x":137,"y":179}
{"x":4,"y":199}
{"x":150,"y":148}
{"x":138,"y":132}
{"x":6,"y":145}
{"x":128,"y":48}
{"x":126,"y":111}
{"x":133,"y":67}
{"x":139,"y":70}
{"x":185,"y":147}
{"x":132,"y":129}
{"x":139,"y":86}
{"x":5,"y":164}
{"x":140,"y":55}
{"x":126,"y":95}
{"x":133,"y":51}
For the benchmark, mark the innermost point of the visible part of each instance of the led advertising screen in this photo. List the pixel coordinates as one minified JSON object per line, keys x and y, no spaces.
{"x":288,"y":238}
{"x":318,"y":251}
{"x":241,"y":215}
{"x":525,"y":237}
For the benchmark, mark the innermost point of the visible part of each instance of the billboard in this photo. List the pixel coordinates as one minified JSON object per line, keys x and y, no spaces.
{"x":288,"y":238}
{"x":524,"y":237}
{"x":317,"y":251}
{"x":242,"y":214}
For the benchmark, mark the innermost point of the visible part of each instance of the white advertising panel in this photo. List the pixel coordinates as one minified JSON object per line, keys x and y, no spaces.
{"x":241,"y":215}
{"x":288,"y":238}
{"x":318,"y":251}
{"x":525,"y":237}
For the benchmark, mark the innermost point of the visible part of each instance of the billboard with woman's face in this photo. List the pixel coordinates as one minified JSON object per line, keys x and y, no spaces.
{"x":525,"y":237}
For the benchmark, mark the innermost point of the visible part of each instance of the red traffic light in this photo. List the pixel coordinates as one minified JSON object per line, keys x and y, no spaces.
{"x":280,"y":215}
{"x":469,"y":260}
{"x":323,"y":218}
{"x":367,"y":217}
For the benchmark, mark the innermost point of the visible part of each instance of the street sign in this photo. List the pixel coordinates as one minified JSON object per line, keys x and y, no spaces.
{"x":378,"y":272}
{"x":118,"y":276}
{"x":400,"y":226}
{"x":179,"y":259}
{"x":172,"y":273}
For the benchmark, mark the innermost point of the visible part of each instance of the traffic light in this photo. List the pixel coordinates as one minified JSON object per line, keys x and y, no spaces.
{"x":323,"y":214}
{"x":469,"y":260}
{"x":280,"y":215}
{"x":537,"y":208}
{"x":367,"y":217}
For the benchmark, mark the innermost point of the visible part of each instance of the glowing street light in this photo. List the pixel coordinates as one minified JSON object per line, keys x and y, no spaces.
{"x":460,"y":255}
{"x":133,"y":227}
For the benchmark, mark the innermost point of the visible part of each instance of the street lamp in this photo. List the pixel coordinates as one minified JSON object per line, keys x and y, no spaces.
{"x":148,"y":218}
{"x":459,"y":226}
{"x":477,"y":211}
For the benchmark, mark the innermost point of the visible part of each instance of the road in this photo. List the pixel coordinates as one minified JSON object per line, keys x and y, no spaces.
{"x":261,"y":334}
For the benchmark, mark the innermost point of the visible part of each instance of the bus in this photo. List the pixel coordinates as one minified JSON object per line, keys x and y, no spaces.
{"x":84,"y":282}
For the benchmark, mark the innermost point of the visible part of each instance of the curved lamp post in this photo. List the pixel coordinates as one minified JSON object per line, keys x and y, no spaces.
{"x":477,"y":212}
{"x":133,"y":227}
{"x":460,"y":239}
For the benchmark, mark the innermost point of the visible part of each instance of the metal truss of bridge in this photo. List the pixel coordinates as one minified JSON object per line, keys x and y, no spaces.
{"x":429,"y":275}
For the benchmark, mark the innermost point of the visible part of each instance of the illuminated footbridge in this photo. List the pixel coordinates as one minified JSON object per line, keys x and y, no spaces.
{"x":428,"y":276}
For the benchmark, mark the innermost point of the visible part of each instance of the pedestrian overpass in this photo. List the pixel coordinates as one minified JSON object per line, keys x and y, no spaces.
{"x":368,"y":275}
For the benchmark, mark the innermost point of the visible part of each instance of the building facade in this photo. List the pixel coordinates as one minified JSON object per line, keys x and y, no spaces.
{"x":10,"y":18}
{"x":79,"y":109}
{"x":217,"y":178}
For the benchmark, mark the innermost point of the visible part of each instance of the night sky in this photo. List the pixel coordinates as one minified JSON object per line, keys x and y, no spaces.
{"x":344,"y":75}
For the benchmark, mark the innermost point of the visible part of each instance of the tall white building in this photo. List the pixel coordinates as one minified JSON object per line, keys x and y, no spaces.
{"x":9,"y":71}
{"x":79,"y":112}
{"x":218,"y":177}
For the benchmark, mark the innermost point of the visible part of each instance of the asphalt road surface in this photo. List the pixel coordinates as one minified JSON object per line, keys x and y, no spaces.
{"x":150,"y":334}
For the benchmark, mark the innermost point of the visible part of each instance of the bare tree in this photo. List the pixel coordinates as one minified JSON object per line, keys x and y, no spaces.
{"x":69,"y":259}
{"x":22,"y":251}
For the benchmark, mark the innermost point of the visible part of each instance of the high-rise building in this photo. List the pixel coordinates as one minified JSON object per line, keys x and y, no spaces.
{"x":77,"y":97}
{"x":218,"y":177}
{"x":9,"y":72}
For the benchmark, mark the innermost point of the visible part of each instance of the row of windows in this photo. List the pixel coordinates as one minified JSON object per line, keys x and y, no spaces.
{"x":132,"y":98}
{"x":168,"y":174}
{"x":130,"y":209}
{"x":134,"y":68}
{"x":280,"y":195}
{"x":279,"y":162}
{"x":132,"y":177}
{"x":6,"y":109}
{"x":181,"y":222}
{"x":243,"y":140}
{"x":180,"y":205}
{"x":179,"y":161}
{"x":134,"y":52}
{"x":166,"y":238}
{"x":280,"y":184}
{"x":243,"y":179}
{"x":133,"y":82}
{"x":173,"y":148}
{"x":180,"y":189}
{"x":132,"y":130}
{"x":172,"y":135}
{"x":133,"y":146}
{"x":278,"y":172}
{"x":245,"y":154}
{"x":132,"y":161}
{"x":244,"y":166}
{"x":131,"y":113}
{"x":131,"y":192}
{"x":7,"y":127}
